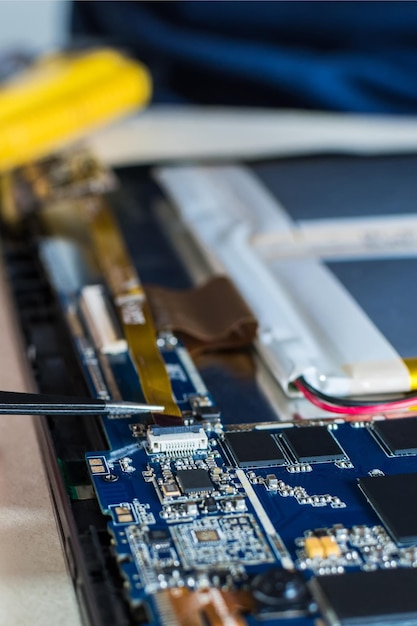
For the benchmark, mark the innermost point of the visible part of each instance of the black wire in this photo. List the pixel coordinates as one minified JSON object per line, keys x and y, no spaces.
{"x":348,"y":402}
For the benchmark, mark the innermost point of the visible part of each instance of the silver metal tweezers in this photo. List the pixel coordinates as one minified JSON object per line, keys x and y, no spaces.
{"x":16,"y":403}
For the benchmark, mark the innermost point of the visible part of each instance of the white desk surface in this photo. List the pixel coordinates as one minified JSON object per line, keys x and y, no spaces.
{"x":35,"y":588}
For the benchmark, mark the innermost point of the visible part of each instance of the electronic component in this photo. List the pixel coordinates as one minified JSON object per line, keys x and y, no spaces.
{"x":207,"y":536}
{"x":394,"y":500}
{"x":194,"y":481}
{"x":255,"y":448}
{"x":298,"y":492}
{"x":280,"y":592}
{"x":177,"y":440}
{"x":101,"y":321}
{"x":153,"y":557}
{"x":312,"y":444}
{"x":399,"y":435}
{"x":234,"y":505}
{"x":368,"y":598}
{"x":203,"y":408}
{"x":321,"y":547}
{"x":170,"y":489}
{"x":210,"y":505}
{"x":333,"y":550}
{"x":158,"y":537}
{"x":314,"y":548}
{"x":271,"y":482}
{"x":330,"y":547}
{"x":207,"y":413}
{"x":221,"y":541}
{"x":126,"y":465}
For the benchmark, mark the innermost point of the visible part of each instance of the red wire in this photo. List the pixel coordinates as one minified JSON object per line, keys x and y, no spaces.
{"x":356,"y":410}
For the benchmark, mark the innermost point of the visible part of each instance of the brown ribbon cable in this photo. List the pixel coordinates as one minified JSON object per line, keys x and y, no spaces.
{"x":210,"y":317}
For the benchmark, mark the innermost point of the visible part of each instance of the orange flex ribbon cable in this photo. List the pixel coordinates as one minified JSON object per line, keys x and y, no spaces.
{"x":132,"y":306}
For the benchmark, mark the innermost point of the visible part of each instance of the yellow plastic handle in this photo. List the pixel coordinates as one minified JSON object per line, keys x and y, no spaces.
{"x":63,"y":98}
{"x":54,"y":76}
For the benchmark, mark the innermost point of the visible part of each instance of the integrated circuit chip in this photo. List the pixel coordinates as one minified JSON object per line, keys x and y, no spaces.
{"x":399,"y":435}
{"x":395,"y":502}
{"x":313,"y":444}
{"x":194,"y":481}
{"x":158,"y":536}
{"x":255,"y":448}
{"x":218,"y":542}
{"x":209,"y":535}
{"x":368,"y":598}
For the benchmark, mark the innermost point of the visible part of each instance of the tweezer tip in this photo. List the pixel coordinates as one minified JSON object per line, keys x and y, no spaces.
{"x":130,"y":408}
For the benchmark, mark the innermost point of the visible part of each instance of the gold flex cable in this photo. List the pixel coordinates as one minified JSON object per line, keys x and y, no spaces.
{"x":131,"y":304}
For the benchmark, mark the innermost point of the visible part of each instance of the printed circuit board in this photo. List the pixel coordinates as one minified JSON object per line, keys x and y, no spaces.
{"x":215,"y":522}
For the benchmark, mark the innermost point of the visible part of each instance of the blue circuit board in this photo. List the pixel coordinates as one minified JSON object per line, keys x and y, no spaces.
{"x":255,"y":513}
{"x":162,"y":527}
{"x":224,"y":519}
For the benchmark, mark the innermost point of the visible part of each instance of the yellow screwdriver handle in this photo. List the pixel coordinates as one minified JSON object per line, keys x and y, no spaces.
{"x":63,"y":97}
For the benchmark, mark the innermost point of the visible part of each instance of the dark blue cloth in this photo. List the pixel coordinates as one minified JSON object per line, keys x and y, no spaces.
{"x":346,"y":56}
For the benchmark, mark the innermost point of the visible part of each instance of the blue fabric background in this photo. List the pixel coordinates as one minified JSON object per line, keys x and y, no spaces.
{"x":352,"y":56}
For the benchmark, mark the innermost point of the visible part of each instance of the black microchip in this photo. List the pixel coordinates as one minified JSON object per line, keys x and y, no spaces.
{"x":210,"y":505}
{"x":399,"y":435}
{"x":158,"y":536}
{"x":255,"y":448}
{"x":194,"y":480}
{"x":207,"y":412}
{"x":395,"y":502}
{"x":368,"y":598}
{"x":313,"y":444}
